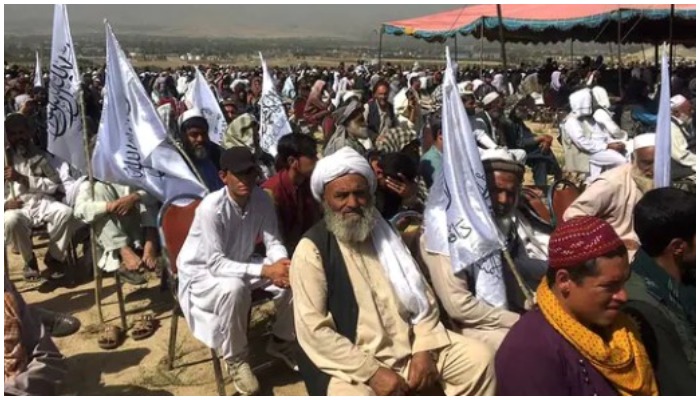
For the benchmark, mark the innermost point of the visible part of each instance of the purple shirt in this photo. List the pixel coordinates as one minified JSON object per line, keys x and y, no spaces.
{"x":535,"y":360}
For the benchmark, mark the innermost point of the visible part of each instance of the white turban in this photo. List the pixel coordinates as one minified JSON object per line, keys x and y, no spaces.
{"x":343,"y":162}
{"x":490,"y":98}
{"x":601,"y":97}
{"x":677,"y":101}
{"x":395,"y":258}
{"x":581,"y":102}
{"x":189,"y":114}
{"x":21,"y":100}
{"x":645,"y":140}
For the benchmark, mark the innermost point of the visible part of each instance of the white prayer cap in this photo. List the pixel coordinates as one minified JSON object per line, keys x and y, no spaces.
{"x":677,"y":101}
{"x":350,"y":94}
{"x":476,"y":83}
{"x":644,"y":140}
{"x":343,"y":162}
{"x":21,"y":100}
{"x":601,"y":97}
{"x":497,"y":154}
{"x":490,"y":98}
{"x":581,"y":102}
{"x":189,"y":114}
{"x":500,"y":159}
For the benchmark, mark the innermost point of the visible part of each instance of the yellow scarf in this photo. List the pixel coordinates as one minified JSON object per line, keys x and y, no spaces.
{"x":622,"y":360}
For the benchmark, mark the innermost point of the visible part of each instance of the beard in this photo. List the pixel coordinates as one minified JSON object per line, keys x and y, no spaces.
{"x":350,"y":230}
{"x":358,"y":130}
{"x":198,"y":152}
{"x":644,"y":183}
{"x":22,"y":149}
{"x":505,"y":223}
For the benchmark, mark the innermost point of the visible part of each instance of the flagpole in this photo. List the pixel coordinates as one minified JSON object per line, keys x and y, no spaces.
{"x":521,"y":284}
{"x":7,"y":164}
{"x":189,"y":162}
{"x":91,"y":179}
{"x":12,"y":195}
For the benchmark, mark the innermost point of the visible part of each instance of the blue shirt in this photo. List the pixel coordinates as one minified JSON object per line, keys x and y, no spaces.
{"x":430,"y":165}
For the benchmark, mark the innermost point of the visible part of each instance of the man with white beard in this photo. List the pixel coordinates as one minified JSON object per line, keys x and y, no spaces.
{"x":614,"y":194}
{"x":30,"y":186}
{"x":527,"y":245}
{"x":351,"y":129}
{"x":682,"y":140}
{"x":365,"y":317}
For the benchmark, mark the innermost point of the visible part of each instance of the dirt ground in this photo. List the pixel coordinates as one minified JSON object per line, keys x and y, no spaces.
{"x":139,"y":367}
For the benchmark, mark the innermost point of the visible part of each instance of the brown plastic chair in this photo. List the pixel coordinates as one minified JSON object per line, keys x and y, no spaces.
{"x":174,"y":222}
{"x":534,"y":207}
{"x":561,"y":195}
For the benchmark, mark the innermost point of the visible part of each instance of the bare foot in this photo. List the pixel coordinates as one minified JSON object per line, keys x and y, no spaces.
{"x":131,"y":260}
{"x":150,"y":255}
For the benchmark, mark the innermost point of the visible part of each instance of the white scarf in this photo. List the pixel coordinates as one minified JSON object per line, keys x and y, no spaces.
{"x":401,"y":268}
{"x":397,"y":262}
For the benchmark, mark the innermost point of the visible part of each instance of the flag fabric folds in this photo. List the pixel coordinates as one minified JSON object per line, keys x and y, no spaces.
{"x":132,"y":147}
{"x":38,"y":82}
{"x":273,"y":117}
{"x":662,"y":152}
{"x":64,"y":122}
{"x":200,"y":96}
{"x":458,"y":217}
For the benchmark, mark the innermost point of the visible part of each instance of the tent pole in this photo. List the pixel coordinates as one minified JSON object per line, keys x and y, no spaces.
{"x":670,"y":37}
{"x":619,"y":51}
{"x":656,"y":55}
{"x":644,"y":53}
{"x":456,"y":52}
{"x":500,"y":34}
{"x":481,"y":53}
{"x":381,"y":35}
{"x":572,"y":52}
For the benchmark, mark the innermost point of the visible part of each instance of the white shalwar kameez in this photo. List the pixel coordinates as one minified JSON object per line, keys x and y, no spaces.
{"x":218,"y":270}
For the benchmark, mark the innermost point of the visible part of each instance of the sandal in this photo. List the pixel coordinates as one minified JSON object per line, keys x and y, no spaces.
{"x":110,"y":337}
{"x":144,"y":327}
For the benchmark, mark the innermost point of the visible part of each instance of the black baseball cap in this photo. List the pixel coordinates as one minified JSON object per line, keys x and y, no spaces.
{"x":237,"y":160}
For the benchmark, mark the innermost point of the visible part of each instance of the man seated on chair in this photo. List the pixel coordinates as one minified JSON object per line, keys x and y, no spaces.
{"x":290,"y":190}
{"x":576,"y":341}
{"x":588,"y":146}
{"x":614,"y":194}
{"x":125,"y":226}
{"x":30,"y":186}
{"x":526,"y":242}
{"x":364,"y":315}
{"x":659,"y":301}
{"x":218,"y":270}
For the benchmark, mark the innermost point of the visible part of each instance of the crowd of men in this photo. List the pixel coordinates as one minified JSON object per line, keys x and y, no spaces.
{"x":362,"y":306}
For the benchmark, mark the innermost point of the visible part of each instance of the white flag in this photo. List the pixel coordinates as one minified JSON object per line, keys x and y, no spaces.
{"x":662,"y":152}
{"x":273,"y":117}
{"x":131,"y":146}
{"x":199,"y":95}
{"x":38,"y":82}
{"x":64,"y":122}
{"x":458,"y":216}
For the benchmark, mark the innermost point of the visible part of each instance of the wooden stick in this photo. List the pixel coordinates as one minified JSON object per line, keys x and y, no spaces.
{"x":189,"y":162}
{"x":93,"y":245}
{"x":7,"y":164}
{"x":521,"y":284}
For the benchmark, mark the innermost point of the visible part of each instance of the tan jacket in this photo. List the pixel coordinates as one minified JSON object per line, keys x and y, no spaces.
{"x":385,"y":336}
